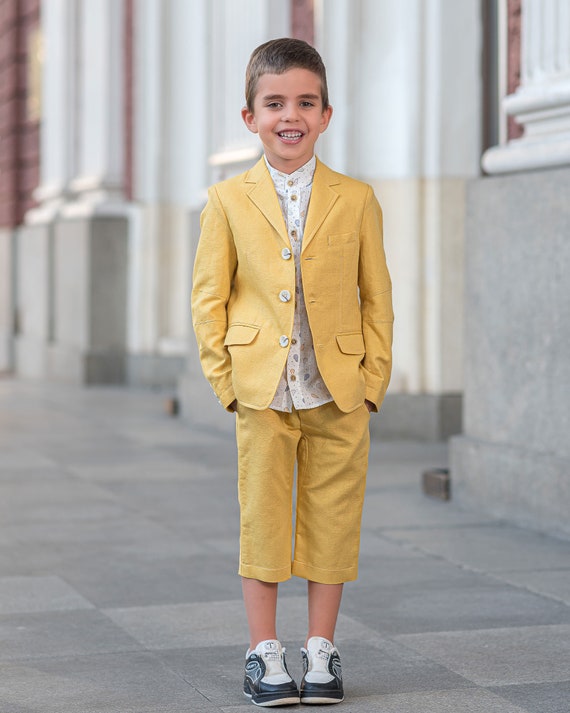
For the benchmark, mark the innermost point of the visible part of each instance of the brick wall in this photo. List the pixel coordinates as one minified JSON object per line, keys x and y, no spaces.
{"x":19,"y":125}
{"x":514,"y":60}
{"x":128,"y":104}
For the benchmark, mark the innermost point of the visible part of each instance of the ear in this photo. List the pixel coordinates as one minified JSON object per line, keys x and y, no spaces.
{"x":249,"y":120}
{"x":325,"y":118}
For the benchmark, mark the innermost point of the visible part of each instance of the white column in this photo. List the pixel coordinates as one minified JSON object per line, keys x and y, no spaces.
{"x":404,"y":122}
{"x":541,"y":104}
{"x":337,"y":25}
{"x":236,"y":28}
{"x":57,"y":131}
{"x":100,"y":174}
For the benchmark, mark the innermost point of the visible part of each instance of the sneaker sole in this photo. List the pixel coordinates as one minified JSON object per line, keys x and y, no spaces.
{"x":289,"y":701}
{"x":320,"y":700}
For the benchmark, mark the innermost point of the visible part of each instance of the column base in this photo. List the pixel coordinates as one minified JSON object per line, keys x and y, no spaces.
{"x":7,"y":315}
{"x":200,"y":407}
{"x":422,"y":417}
{"x":154,"y":370}
{"x":30,"y":357}
{"x":70,"y":365}
{"x":522,"y":486}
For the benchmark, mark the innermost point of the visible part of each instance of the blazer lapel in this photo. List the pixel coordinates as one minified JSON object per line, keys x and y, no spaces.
{"x":263,"y":195}
{"x":323,"y":197}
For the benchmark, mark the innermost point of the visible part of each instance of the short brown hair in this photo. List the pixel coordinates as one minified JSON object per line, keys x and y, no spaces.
{"x":278,"y":56}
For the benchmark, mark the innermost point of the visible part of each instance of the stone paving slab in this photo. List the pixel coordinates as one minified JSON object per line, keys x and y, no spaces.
{"x":25,"y":595}
{"x":450,"y":603}
{"x":52,"y":500}
{"x":538,"y":697}
{"x":218,"y":623}
{"x":464,"y":701}
{"x":70,"y":633}
{"x":497,"y":657}
{"x":14,"y":460}
{"x":378,"y":573}
{"x":553,"y":583}
{"x":374,"y":545}
{"x":491,"y":548}
{"x":134,"y":682}
{"x":386,"y":509}
{"x":396,"y":669}
{"x":138,"y":472}
{"x":119,"y":593}
{"x":129,"y":581}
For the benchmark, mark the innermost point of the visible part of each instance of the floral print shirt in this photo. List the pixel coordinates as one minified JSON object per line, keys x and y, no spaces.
{"x":301,"y":385}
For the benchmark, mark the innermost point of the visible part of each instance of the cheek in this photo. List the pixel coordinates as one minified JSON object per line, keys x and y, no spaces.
{"x":265,"y":126}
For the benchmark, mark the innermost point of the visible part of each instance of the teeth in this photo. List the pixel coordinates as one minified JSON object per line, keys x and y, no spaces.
{"x":290,"y":134}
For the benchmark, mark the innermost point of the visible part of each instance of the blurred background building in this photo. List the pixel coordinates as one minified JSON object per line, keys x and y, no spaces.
{"x":115,"y":116}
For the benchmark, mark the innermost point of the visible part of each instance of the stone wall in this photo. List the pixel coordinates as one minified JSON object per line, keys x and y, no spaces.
{"x":514,"y":456}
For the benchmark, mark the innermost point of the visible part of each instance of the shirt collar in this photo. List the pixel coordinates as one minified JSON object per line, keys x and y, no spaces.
{"x":301,"y":178}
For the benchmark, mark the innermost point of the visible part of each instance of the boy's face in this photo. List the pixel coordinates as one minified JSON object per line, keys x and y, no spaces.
{"x":289,"y":117}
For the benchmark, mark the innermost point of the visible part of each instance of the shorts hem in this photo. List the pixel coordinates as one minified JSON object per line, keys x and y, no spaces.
{"x":324,"y":576}
{"x":263,"y":574}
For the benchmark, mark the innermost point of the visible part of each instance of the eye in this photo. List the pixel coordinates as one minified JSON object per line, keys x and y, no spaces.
{"x":307,"y":104}
{"x":273,"y":105}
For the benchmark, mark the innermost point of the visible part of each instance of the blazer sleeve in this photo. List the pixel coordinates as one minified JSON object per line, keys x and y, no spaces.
{"x":214,"y":270}
{"x":375,"y":303}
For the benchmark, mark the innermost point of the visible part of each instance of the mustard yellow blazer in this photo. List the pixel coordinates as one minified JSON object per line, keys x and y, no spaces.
{"x":244,"y":329}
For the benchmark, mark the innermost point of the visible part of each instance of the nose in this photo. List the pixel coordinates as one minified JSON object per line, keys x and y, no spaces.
{"x":290,"y":112}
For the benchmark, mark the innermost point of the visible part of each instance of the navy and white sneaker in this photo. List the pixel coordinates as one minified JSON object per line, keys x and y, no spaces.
{"x":322,"y":678}
{"x":267,"y":681}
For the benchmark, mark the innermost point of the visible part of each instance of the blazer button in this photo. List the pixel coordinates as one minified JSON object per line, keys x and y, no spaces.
{"x":283,"y":340}
{"x":284,"y":295}
{"x":286,"y":254}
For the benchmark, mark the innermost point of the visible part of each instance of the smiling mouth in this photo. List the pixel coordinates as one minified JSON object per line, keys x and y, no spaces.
{"x":290,"y":135}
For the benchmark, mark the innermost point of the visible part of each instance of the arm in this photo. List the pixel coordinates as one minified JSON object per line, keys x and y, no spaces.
{"x":375,"y":303}
{"x":214,"y":269}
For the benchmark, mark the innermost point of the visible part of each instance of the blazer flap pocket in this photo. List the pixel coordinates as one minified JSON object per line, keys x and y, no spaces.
{"x":351,"y":343}
{"x":341,"y":239}
{"x":240,"y":334}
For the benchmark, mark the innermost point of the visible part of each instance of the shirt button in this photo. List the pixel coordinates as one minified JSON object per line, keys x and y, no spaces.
{"x":285,"y":254}
{"x":289,"y":183}
{"x":283,"y":340}
{"x":293,"y":377}
{"x":294,"y":233}
{"x":294,"y":197}
{"x":284,"y":295}
{"x":293,"y":341}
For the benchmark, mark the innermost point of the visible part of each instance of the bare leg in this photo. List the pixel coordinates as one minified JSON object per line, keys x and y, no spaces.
{"x":324,"y":603}
{"x":260,"y":600}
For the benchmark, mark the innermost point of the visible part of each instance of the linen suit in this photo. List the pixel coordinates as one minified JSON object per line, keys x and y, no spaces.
{"x":244,"y":331}
{"x":243,"y":328}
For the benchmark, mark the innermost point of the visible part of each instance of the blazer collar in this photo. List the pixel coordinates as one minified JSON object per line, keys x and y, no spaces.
{"x":323,"y":197}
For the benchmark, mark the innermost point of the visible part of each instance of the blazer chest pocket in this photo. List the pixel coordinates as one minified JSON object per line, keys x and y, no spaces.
{"x":341,"y":239}
{"x":240,"y":334}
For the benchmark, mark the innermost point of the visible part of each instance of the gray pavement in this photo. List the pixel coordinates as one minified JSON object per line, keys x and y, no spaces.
{"x":118,"y":592}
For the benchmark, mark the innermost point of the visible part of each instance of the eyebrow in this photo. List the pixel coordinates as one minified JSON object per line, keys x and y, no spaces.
{"x":273,"y":97}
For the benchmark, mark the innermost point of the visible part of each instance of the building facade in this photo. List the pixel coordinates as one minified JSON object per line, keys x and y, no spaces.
{"x":117,"y":114}
{"x":140,"y":112}
{"x":513,"y":457}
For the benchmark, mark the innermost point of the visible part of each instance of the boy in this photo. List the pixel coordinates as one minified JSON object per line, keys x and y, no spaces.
{"x":292,"y":311}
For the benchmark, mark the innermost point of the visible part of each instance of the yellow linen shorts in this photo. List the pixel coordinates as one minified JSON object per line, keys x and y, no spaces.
{"x":331,"y":451}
